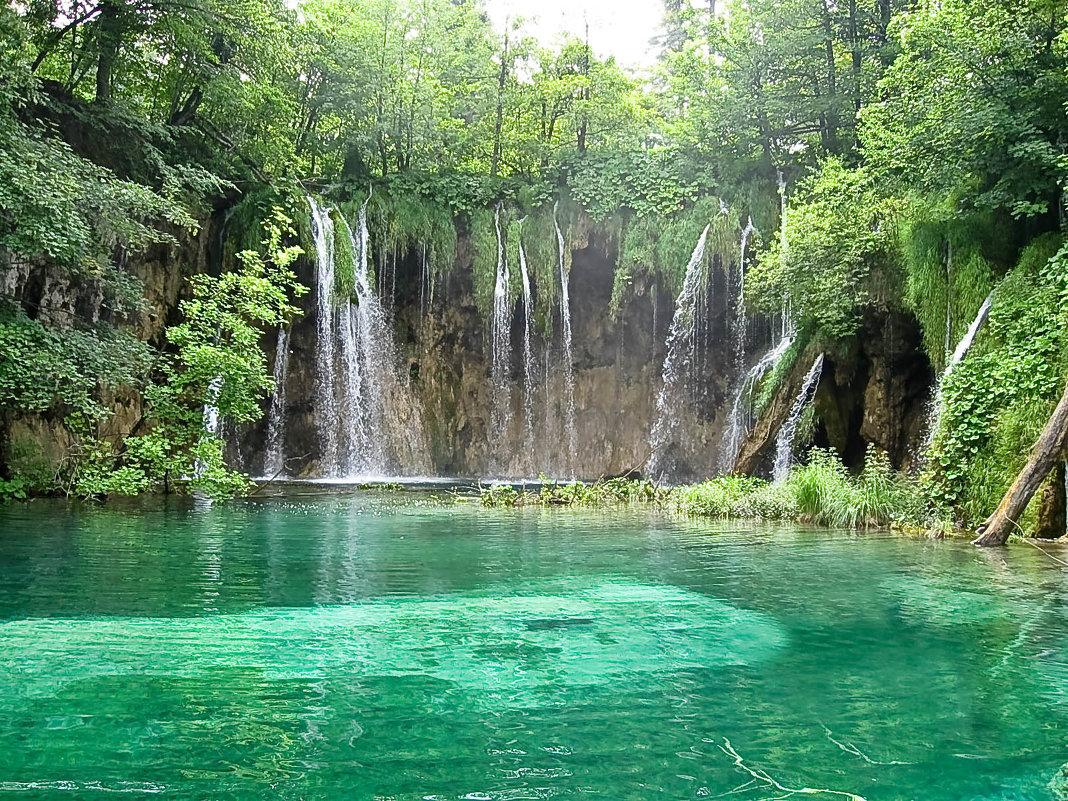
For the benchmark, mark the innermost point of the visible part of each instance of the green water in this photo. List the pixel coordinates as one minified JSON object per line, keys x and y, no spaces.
{"x":344,"y":645}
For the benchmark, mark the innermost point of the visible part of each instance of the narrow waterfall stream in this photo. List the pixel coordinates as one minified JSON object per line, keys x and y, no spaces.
{"x":501,"y":341}
{"x":784,"y":443}
{"x":739,"y":420}
{"x":528,"y":353}
{"x":934,"y":414}
{"x":736,"y":422}
{"x":567,"y":357}
{"x":326,"y":416}
{"x":274,"y":448}
{"x":679,"y":360}
{"x":968,"y":339}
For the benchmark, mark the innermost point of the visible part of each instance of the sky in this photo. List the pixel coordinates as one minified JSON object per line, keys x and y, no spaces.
{"x":620,"y":28}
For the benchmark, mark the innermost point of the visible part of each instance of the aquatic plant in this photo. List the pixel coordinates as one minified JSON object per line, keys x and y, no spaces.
{"x":607,"y":492}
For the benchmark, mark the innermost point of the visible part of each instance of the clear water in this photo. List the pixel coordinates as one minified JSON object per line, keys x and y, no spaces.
{"x":334,"y":644}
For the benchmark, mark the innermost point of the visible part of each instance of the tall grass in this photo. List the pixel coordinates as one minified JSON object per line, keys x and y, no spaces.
{"x":821,"y":491}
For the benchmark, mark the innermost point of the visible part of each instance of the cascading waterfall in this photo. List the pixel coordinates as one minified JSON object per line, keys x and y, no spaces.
{"x":326,"y":415}
{"x":356,"y":369}
{"x":969,"y":337}
{"x":740,"y":320}
{"x":784,"y":443}
{"x":739,"y":420}
{"x":501,"y":367}
{"x":528,"y":354}
{"x":787,"y":318}
{"x":567,"y":357}
{"x":736,"y":422}
{"x":274,"y":450}
{"x":680,"y":357}
{"x":369,"y":362}
{"x":210,"y":417}
{"x":934,"y":414}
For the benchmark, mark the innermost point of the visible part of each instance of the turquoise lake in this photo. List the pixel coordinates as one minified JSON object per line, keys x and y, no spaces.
{"x":329,"y":643}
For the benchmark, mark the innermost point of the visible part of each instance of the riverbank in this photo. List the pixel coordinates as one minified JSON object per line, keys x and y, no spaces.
{"x":820,"y":492}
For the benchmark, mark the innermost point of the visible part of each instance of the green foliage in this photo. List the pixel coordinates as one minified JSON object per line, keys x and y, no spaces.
{"x":948,"y":274}
{"x":644,"y":182}
{"x":344,"y":258}
{"x":408,"y":220}
{"x":42,"y":367}
{"x":660,"y":247}
{"x":12,"y":489}
{"x":838,"y":255}
{"x":218,"y":362}
{"x":971,"y":113}
{"x":483,"y":231}
{"x":996,"y":401}
{"x":721,"y":497}
{"x":605,"y":493}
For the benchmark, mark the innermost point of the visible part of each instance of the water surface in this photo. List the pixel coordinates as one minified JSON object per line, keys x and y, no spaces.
{"x":335,"y":644}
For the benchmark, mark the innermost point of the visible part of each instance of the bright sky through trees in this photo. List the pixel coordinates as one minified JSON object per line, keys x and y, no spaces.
{"x":620,"y":28}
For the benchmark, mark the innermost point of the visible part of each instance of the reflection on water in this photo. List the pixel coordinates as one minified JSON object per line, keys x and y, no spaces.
{"x":335,"y":644}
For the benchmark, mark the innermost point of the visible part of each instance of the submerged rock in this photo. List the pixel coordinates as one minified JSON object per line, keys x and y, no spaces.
{"x":497,"y":647}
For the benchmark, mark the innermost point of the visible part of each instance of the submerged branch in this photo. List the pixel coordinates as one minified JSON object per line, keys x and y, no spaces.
{"x":762,"y":776}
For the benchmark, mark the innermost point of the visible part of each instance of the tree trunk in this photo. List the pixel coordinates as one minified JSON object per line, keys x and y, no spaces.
{"x":1051,"y":506}
{"x":498,"y":127}
{"x":1044,"y":455}
{"x":109,"y":39}
{"x":832,"y":120}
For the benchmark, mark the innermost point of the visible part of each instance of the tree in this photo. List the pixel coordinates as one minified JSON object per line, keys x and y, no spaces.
{"x":1048,"y":450}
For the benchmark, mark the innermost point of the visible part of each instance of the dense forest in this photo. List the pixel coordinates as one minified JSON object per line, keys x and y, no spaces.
{"x":897,"y":161}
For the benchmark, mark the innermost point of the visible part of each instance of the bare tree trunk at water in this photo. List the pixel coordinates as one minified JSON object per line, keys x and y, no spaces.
{"x":1044,"y":455}
{"x":1052,"y":521}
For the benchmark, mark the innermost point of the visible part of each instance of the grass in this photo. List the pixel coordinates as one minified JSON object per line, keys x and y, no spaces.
{"x":821,"y":492}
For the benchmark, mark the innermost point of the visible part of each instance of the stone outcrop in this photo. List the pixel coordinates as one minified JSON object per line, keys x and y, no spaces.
{"x":874,"y":390}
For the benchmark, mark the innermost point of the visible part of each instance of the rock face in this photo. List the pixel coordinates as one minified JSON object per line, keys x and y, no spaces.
{"x":60,"y":298}
{"x":444,"y":350}
{"x":874,"y":391}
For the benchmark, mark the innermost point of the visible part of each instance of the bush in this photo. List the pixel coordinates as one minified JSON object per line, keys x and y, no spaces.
{"x":609,"y":492}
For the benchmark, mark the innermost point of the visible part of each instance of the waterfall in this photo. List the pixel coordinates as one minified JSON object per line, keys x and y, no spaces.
{"x":359,"y":435}
{"x":738,"y":421}
{"x":787,"y":317}
{"x":273,"y":457}
{"x":567,"y":358}
{"x":934,"y":414}
{"x":966,"y":343}
{"x":501,"y":341}
{"x":679,"y":359}
{"x":784,"y":443}
{"x":528,"y":355}
{"x":210,"y":418}
{"x":369,"y":363}
{"x":739,"y":307}
{"x":326,"y":412}
{"x":211,"y":408}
